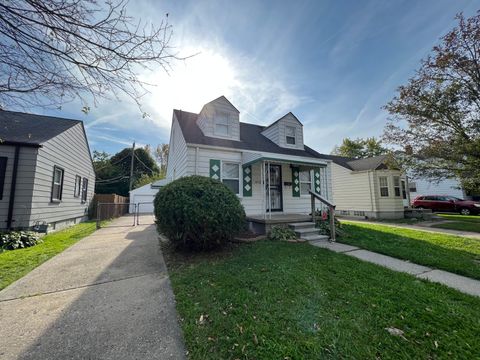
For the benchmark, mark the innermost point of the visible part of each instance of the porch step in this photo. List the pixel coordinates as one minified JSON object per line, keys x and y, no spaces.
{"x":316,"y":237}
{"x":302,"y":232}
{"x":307,"y":231}
{"x":302,"y":225}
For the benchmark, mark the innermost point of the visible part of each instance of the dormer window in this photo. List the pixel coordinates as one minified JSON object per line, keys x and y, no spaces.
{"x":290,"y":135}
{"x":221,"y":125}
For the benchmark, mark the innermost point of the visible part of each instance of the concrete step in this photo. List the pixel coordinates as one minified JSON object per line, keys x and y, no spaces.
{"x":316,"y":237}
{"x":302,"y":225}
{"x":306,"y":231}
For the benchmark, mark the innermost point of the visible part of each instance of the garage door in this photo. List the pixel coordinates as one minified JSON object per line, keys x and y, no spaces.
{"x":145,"y":203}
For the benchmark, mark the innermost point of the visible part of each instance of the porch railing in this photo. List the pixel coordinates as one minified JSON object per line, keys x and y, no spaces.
{"x":331,"y":211}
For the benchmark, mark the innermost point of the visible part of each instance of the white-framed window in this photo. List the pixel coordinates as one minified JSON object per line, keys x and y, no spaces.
{"x":221,"y":124}
{"x":383,"y":182}
{"x":396,"y":186}
{"x":305,"y":178}
{"x":290,"y":135}
{"x":412,"y":186}
{"x":84,"y":189}
{"x":231,"y":176}
{"x":57,"y":184}
{"x":78,"y":186}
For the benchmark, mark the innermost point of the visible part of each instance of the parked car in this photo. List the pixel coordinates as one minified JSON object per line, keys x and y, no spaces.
{"x":442,"y":203}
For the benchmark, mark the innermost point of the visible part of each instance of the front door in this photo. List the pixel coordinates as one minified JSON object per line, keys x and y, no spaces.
{"x":274,"y":188}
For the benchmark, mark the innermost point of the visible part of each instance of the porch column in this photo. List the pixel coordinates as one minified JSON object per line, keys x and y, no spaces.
{"x":262,"y":183}
{"x":269,"y":194}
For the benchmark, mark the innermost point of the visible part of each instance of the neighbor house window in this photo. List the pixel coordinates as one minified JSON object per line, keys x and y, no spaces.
{"x":305,"y":182}
{"x":221,"y":124}
{"x":290,"y":135}
{"x":396,"y":185}
{"x":57,"y":186}
{"x":84,"y":189}
{"x":412,"y":186}
{"x":231,"y":176}
{"x":78,"y":186}
{"x":383,"y":180}
{"x":3,"y":168}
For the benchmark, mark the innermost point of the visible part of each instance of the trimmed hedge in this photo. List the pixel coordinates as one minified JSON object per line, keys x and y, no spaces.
{"x":198,"y":213}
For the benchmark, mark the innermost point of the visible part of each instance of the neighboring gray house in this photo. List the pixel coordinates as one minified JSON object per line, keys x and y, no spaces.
{"x":46,"y":171}
{"x":269,"y":167}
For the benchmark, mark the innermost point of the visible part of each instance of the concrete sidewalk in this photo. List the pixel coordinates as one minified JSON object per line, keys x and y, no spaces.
{"x":461,"y":283}
{"x":427,"y":228}
{"x":106,"y":297}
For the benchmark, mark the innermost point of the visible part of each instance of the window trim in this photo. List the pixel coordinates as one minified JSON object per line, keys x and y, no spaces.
{"x":226,"y":178}
{"x":305,"y":182}
{"x":223,"y":120}
{"x":383,"y":187}
{"x":395,"y":186}
{"x":77,"y":191}
{"x":59,"y":199}
{"x":84,"y":190}
{"x":289,"y":136}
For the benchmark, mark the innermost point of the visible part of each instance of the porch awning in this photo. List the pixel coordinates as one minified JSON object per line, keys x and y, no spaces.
{"x":250,"y":158}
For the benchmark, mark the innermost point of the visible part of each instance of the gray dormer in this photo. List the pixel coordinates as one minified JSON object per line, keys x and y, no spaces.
{"x":286,"y":132}
{"x":220,"y":119}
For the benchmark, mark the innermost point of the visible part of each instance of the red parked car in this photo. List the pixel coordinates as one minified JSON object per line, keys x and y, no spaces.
{"x":443,"y":203}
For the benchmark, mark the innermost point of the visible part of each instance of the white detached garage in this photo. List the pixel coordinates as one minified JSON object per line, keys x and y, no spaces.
{"x":143,"y":196}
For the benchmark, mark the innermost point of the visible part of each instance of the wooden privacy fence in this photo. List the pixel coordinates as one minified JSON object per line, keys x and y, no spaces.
{"x":113,"y":206}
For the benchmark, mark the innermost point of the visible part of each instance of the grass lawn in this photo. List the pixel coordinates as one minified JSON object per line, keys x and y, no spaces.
{"x":460,"y":225}
{"x":275,"y":300}
{"x":16,"y":263}
{"x":456,"y":254}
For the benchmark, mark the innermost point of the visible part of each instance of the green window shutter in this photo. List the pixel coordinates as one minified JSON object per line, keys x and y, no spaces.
{"x":215,"y":169}
{"x":247,"y":180}
{"x":295,"y":182}
{"x":316,"y":180}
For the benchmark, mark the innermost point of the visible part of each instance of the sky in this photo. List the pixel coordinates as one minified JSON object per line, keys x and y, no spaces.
{"x":334,"y":64}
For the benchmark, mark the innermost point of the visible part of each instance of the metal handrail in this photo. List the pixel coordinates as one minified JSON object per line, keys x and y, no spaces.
{"x":331,"y":208}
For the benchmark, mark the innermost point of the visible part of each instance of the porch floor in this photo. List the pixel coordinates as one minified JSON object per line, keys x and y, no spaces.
{"x":279,"y":218}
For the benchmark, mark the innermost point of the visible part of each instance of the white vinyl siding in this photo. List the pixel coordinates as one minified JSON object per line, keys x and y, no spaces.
{"x":277,"y":132}
{"x":177,"y":156}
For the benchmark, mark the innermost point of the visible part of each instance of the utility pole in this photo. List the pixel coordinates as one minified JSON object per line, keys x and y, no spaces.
{"x":131,"y":167}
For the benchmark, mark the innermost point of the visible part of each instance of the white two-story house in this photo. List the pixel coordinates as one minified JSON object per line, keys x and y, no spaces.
{"x":269,"y":167}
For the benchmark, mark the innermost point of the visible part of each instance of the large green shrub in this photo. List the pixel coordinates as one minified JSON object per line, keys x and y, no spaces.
{"x":198,"y":213}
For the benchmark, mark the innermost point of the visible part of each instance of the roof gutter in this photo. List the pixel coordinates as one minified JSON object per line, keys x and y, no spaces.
{"x":19,"y":143}
{"x":11,"y":199}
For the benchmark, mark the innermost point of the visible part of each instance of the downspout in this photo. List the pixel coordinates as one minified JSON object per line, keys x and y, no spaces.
{"x":11,"y":200}
{"x":370,"y":189}
{"x":196,"y":160}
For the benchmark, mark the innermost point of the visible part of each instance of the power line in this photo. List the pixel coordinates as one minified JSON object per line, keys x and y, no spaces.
{"x":144,"y":164}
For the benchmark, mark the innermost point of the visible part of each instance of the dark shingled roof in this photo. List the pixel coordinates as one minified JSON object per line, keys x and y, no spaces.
{"x":250,"y":138}
{"x":31,"y":129}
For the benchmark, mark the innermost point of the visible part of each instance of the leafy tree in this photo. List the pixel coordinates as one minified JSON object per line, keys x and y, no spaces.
{"x":161,"y":154}
{"x":435,"y":117}
{"x":359,"y":148}
{"x":113,"y":173}
{"x":55,"y":51}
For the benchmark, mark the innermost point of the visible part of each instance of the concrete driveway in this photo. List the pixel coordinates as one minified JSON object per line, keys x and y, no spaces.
{"x":106,"y":297}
